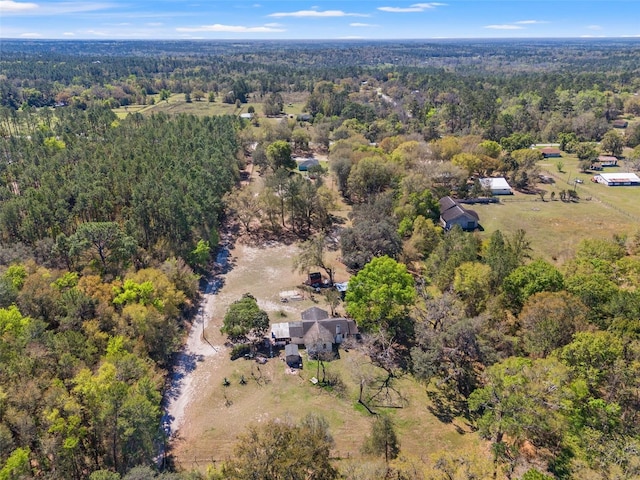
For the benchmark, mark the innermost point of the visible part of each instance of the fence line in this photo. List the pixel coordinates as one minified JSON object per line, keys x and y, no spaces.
{"x":598,"y":199}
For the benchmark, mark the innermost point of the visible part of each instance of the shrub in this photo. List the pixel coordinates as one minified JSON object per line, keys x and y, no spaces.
{"x":239,"y":350}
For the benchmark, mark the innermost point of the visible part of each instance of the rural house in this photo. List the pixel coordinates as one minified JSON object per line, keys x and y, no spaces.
{"x":451,"y":214}
{"x":319,"y":340}
{"x":607,"y":161}
{"x":317,"y":331}
{"x":551,"y":152}
{"x":620,"y":124}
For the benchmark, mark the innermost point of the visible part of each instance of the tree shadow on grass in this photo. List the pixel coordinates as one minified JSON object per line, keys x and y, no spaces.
{"x":446,"y":406}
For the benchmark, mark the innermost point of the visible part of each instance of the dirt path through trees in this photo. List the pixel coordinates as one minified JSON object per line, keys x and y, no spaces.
{"x":196,"y":349}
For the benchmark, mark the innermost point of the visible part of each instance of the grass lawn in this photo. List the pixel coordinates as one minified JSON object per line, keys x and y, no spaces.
{"x":555,"y":227}
{"x":176,"y":104}
{"x":218,"y":414}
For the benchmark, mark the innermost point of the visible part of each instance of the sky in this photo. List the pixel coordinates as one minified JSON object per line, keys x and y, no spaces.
{"x":317,"y":19}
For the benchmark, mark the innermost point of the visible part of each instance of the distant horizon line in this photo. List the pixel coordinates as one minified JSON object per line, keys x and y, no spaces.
{"x":71,"y":39}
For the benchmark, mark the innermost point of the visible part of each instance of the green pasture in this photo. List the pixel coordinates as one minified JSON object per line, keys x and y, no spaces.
{"x":555,"y":227}
{"x":176,"y":104}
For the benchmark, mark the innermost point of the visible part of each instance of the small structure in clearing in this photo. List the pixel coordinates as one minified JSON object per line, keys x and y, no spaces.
{"x":292,"y":356}
{"x":496,"y":185}
{"x":608,"y":161}
{"x":304,"y":164}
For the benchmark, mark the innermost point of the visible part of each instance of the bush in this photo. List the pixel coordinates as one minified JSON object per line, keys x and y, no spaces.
{"x":239,"y":350}
{"x":333,"y":382}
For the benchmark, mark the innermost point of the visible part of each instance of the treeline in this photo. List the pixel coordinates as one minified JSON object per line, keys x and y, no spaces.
{"x":80,"y":368}
{"x":464,"y":74}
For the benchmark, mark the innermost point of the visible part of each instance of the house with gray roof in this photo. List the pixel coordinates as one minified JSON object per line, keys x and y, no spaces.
{"x":452,"y":213}
{"x":317,"y":331}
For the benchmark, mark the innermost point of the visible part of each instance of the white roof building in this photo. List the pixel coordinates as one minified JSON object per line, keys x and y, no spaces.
{"x":617,"y":179}
{"x":497,"y":185}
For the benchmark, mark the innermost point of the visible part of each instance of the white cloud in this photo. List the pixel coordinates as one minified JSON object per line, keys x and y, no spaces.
{"x":364,"y":25}
{"x":273,"y":24}
{"x":531,"y":22}
{"x":416,"y":7}
{"x":11,"y":6}
{"x":594,"y":27}
{"x":30,"y":35}
{"x":99,"y":33}
{"x":69,"y":34}
{"x":504,"y":27}
{"x":229,"y":28}
{"x":154,"y":24}
{"x":118,"y":33}
{"x":317,"y":14}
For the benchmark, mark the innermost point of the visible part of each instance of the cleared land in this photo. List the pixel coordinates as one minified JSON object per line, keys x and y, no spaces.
{"x":215,"y":414}
{"x":555,"y":227}
{"x":176,"y":104}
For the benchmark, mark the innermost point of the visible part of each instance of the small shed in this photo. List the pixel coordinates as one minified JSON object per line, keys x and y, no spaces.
{"x":551,"y":152}
{"x":246,"y":116}
{"x":497,"y":185}
{"x":620,"y":123}
{"x":314,"y":279}
{"x":304,"y":164}
{"x":292,"y":355}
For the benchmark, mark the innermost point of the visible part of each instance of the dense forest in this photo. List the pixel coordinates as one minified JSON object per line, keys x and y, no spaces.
{"x":101,"y":222}
{"x":108,"y":222}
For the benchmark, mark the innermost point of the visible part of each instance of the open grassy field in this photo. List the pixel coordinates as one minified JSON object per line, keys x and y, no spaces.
{"x":555,"y":227}
{"x":176,"y":104}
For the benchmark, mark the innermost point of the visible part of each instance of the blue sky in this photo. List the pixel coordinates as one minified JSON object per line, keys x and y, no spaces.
{"x":317,"y":19}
